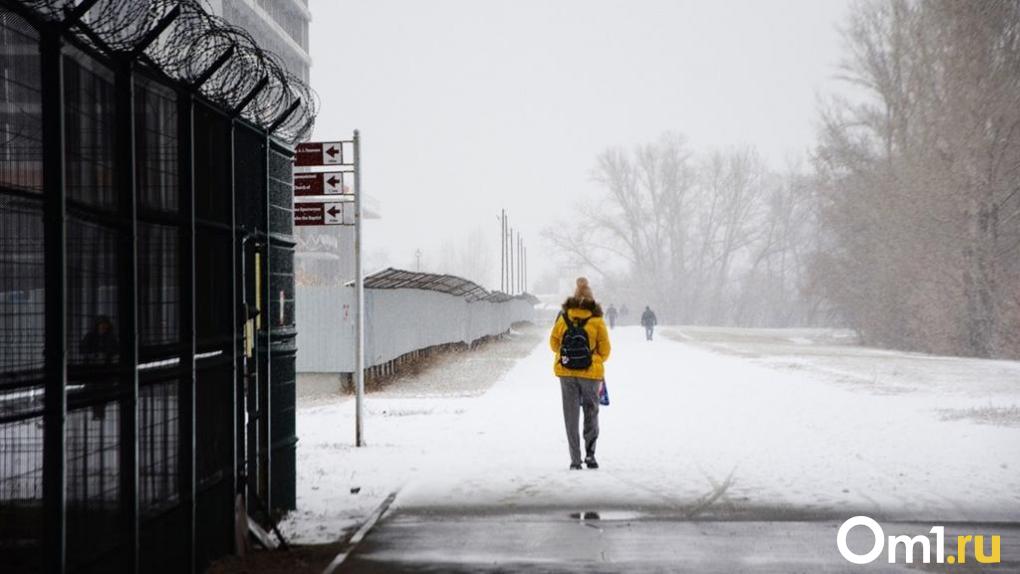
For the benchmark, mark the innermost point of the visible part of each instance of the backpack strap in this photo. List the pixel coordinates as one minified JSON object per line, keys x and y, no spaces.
{"x":566,"y":319}
{"x":572,"y":323}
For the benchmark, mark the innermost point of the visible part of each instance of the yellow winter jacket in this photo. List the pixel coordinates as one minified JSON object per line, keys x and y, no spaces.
{"x":598,"y":338}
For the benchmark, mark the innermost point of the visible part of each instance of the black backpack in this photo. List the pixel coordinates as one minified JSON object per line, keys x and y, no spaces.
{"x":575,"y":352}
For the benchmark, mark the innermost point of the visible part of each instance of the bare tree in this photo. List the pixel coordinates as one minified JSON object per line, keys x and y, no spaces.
{"x":917,"y":176}
{"x":691,"y":236}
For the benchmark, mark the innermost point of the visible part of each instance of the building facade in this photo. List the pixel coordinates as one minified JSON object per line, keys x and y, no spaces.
{"x":280,"y":26}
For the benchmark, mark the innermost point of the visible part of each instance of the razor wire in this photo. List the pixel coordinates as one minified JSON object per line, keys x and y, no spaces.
{"x":201,"y":49}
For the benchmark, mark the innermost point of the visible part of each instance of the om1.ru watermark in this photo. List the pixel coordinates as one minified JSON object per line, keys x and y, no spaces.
{"x":973,"y":545}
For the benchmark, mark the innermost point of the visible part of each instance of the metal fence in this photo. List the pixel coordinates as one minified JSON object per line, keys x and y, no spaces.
{"x":405,"y":311}
{"x":146,"y":286}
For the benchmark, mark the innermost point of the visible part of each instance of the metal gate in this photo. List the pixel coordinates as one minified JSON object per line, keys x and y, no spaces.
{"x":142,"y":223}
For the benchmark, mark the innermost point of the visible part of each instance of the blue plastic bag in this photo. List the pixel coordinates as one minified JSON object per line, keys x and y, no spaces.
{"x":603,"y":395}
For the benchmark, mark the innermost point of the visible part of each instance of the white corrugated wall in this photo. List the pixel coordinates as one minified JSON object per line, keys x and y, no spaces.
{"x":397,"y":321}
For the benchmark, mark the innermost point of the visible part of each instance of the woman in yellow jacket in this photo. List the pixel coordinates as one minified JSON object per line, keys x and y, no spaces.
{"x":580,"y":377}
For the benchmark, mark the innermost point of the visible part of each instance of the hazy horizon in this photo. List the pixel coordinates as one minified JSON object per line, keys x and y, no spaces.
{"x":469,"y":107}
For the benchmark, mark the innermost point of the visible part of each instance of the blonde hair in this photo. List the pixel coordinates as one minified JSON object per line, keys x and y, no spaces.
{"x":583,"y":290}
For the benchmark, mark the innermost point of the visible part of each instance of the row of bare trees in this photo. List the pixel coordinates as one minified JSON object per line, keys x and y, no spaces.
{"x":918,"y":178}
{"x":719,"y":239}
{"x":904,"y":225}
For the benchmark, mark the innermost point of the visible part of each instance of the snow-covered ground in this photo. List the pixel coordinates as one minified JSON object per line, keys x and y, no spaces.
{"x":702,"y":421}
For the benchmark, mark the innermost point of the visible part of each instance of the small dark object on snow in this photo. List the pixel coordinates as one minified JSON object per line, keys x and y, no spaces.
{"x":355,"y":490}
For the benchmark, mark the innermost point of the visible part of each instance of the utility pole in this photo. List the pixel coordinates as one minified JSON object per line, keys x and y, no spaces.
{"x":520,"y":267}
{"x":510,"y":246}
{"x":502,"y":250}
{"x":525,"y":268}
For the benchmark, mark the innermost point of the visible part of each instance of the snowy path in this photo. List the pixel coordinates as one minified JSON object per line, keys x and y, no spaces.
{"x":793,"y":442}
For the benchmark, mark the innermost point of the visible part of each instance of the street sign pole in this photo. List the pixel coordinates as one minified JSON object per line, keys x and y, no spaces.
{"x":359,"y":303}
{"x":322,"y":198}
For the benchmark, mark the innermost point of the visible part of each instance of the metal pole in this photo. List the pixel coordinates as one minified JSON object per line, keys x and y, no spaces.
{"x":265,"y":383}
{"x":502,"y":250}
{"x":510,"y":246}
{"x":127,"y":293}
{"x":506,"y":253}
{"x":359,"y":304}
{"x":237,"y":343}
{"x":519,"y":268}
{"x":55,"y":247}
{"x":186,"y":147}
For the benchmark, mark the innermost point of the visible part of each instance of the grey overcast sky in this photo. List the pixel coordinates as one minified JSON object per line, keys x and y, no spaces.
{"x":469,"y":106}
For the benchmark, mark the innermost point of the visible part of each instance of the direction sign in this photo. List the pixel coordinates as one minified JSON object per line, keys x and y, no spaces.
{"x":323,"y":213}
{"x":320,"y":183}
{"x":323,"y":153}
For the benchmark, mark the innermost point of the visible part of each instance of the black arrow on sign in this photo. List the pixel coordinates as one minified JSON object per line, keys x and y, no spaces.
{"x":333,"y":211}
{"x":332,"y":181}
{"x":332,"y":151}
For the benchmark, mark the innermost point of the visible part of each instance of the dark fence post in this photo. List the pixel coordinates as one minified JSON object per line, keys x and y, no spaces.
{"x":185,"y":150}
{"x":237,"y":332}
{"x":265,"y":383}
{"x":127,"y":296}
{"x":282,"y":436}
{"x":54,"y":208}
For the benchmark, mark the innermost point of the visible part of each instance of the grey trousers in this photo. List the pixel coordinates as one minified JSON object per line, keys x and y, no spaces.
{"x":580,"y":394}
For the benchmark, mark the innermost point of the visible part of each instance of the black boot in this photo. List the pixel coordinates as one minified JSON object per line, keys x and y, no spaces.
{"x":590,"y":461}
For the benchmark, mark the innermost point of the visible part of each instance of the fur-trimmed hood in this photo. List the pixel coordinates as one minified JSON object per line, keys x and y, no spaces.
{"x":587,"y":304}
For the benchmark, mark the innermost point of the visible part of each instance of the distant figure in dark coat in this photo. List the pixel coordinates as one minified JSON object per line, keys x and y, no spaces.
{"x":611,"y":315}
{"x":649,"y":321}
{"x":100,"y":345}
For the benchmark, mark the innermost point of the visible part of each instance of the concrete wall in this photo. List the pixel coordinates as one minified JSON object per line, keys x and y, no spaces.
{"x":397,"y":322}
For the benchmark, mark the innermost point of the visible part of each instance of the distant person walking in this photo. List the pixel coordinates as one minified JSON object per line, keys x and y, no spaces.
{"x":649,"y":321}
{"x":580,"y":340}
{"x":611,"y":315}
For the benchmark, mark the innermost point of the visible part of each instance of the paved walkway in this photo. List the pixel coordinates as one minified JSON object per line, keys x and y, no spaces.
{"x":708,"y":457}
{"x":623,"y":541}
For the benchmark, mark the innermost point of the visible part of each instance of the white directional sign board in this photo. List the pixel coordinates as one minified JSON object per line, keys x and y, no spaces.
{"x":338,"y":213}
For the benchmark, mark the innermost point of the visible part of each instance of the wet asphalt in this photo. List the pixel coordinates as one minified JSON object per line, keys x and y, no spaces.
{"x":621,"y":540}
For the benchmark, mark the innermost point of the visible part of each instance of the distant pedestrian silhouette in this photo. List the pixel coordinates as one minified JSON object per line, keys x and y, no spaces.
{"x":611,"y":315}
{"x":649,"y":321}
